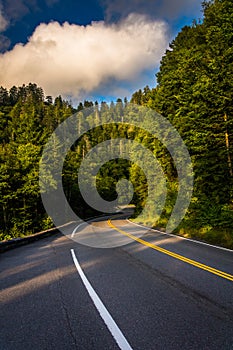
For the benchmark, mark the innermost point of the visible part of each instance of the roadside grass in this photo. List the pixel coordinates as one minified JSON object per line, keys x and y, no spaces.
{"x":219,"y":236}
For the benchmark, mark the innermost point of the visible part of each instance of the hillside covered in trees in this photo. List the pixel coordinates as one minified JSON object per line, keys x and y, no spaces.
{"x":27,"y":119}
{"x":194,"y":92}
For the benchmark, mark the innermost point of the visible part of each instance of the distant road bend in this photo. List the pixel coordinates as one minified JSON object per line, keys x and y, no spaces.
{"x":156,"y":291}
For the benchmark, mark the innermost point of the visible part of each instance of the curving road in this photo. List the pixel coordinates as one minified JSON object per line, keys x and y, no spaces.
{"x":156,"y":291}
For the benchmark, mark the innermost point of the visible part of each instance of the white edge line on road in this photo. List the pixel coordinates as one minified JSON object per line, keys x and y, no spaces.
{"x":74,"y":230}
{"x":184,"y":238}
{"x":108,"y":320}
{"x":86,"y":222}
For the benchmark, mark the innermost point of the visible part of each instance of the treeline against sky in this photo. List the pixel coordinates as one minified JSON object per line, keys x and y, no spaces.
{"x":28,"y":119}
{"x":194,"y":92}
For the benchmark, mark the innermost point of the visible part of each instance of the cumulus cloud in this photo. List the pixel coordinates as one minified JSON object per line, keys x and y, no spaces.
{"x":154,"y":8}
{"x":69,"y":59}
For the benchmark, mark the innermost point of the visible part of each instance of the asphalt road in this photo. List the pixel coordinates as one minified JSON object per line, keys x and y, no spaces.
{"x":59,"y":294}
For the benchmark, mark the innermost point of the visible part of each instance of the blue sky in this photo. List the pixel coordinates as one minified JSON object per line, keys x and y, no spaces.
{"x":106,"y":49}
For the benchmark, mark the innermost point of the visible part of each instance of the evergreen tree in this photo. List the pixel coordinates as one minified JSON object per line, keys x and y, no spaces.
{"x":194,"y":92}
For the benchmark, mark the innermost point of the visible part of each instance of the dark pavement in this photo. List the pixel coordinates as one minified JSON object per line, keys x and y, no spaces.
{"x":158,"y":302}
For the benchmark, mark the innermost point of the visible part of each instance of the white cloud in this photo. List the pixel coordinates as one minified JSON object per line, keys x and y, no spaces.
{"x":69,"y":59}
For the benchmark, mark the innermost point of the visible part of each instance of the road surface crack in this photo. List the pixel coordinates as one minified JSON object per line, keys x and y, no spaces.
{"x":63,"y":304}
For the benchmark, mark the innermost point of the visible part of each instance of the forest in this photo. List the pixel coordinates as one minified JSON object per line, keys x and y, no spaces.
{"x":194,"y":92}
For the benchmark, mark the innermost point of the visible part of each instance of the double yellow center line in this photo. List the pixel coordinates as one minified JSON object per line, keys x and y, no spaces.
{"x":174,"y":255}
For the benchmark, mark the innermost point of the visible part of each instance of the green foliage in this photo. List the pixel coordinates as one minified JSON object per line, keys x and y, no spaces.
{"x":26,"y":121}
{"x":195,"y":92}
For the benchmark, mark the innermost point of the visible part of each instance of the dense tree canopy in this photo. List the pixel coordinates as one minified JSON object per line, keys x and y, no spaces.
{"x":27,"y":119}
{"x":194,"y":92}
